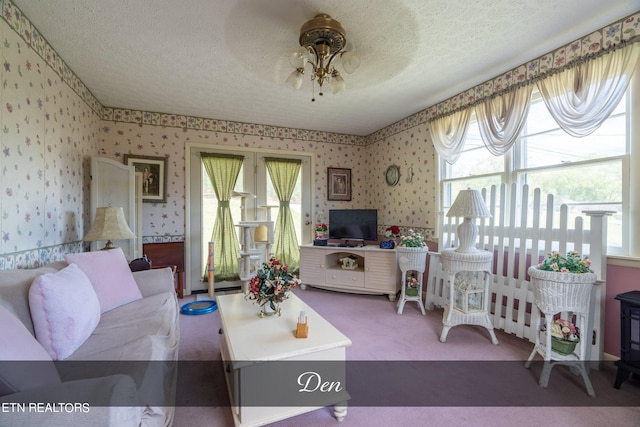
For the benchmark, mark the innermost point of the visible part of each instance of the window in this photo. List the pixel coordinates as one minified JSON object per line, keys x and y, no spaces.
{"x":583,"y":173}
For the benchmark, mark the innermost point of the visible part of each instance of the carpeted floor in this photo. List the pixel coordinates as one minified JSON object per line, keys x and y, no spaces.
{"x":400,"y":374}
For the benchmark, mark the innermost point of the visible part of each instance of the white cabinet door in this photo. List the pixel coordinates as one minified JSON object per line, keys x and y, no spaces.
{"x":114,"y":184}
{"x":312,"y":266}
{"x":381,"y":271}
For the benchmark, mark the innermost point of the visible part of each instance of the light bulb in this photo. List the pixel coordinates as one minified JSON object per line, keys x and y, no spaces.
{"x":350,"y":62}
{"x":299,"y":57}
{"x":337,"y":82}
{"x":295,"y":78}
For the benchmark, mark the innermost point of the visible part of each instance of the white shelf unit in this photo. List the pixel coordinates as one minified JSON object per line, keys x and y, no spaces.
{"x":377,"y":271}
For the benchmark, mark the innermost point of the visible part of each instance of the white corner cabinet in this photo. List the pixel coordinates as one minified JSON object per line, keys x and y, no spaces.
{"x":376,"y":272}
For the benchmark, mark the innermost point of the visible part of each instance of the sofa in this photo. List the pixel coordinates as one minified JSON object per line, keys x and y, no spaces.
{"x":87,"y":342}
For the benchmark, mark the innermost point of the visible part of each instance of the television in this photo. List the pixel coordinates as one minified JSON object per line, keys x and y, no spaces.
{"x":353,"y":224}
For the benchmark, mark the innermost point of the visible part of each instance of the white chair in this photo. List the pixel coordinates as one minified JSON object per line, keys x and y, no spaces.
{"x":567,"y":299}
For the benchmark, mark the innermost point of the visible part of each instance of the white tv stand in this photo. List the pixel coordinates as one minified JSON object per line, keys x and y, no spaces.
{"x":377,"y":271}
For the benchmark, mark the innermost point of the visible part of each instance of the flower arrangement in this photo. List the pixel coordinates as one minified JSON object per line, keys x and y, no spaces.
{"x":393,"y":231}
{"x":411,"y":286}
{"x":321,"y":230}
{"x":571,"y":263}
{"x":412,"y":282}
{"x":271,"y":284}
{"x":565,"y":330}
{"x":412,"y":239}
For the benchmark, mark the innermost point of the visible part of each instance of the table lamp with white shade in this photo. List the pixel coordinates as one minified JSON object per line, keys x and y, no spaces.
{"x":109,"y":225}
{"x":469,"y":205}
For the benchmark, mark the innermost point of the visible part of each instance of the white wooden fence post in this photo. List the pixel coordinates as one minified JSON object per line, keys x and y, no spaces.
{"x":598,"y":257}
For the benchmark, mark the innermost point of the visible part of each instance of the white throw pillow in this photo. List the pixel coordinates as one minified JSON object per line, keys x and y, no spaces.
{"x":64,"y":309}
{"x":24,"y":364}
{"x":110,"y":276}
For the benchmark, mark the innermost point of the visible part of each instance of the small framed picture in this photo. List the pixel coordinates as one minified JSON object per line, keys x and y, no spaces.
{"x":339,"y":184}
{"x":154,"y":176}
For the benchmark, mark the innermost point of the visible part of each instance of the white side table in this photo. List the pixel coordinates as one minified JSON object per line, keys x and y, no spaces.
{"x":411,"y":259}
{"x":454,"y":262}
{"x":561,"y":293}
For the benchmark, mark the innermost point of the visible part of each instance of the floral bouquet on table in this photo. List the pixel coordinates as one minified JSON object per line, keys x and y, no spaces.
{"x":571,"y":263}
{"x":412,"y":239}
{"x":271,"y":284}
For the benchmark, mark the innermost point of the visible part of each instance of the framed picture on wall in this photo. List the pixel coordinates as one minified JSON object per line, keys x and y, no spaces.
{"x":154,"y":176}
{"x":338,"y":184}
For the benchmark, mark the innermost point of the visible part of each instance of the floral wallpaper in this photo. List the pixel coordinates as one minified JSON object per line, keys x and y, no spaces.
{"x":164,"y":222}
{"x":411,"y":203}
{"x":52,"y":124}
{"x":48,"y":134}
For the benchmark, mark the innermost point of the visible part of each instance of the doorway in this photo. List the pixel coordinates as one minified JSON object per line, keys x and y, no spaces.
{"x":201,"y":203}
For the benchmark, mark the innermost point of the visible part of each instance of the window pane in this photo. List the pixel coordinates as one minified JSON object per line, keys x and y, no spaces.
{"x":475,"y":158}
{"x":452,"y":188}
{"x":547,"y":144}
{"x":601,"y":191}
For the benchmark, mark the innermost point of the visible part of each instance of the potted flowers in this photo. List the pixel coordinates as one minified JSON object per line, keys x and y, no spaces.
{"x":564,"y":336}
{"x":412,"y":251}
{"x":569,"y":268}
{"x":571,"y":263}
{"x":270,"y":286}
{"x":321,"y":230}
{"x":412,"y":239}
{"x":412,"y":286}
{"x":393,"y":231}
{"x":562,"y":283}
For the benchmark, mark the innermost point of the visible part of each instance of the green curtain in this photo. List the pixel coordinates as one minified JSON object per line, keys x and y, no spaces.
{"x":284,"y":175}
{"x":223,"y":170}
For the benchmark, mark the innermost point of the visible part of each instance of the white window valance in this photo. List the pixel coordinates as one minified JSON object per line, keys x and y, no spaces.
{"x":581,"y":98}
{"x":448,"y":134}
{"x":501,"y":119}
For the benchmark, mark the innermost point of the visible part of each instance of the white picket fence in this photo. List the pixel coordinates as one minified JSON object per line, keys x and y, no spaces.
{"x":519,"y":240}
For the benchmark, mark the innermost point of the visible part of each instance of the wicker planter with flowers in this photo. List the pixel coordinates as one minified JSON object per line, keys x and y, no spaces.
{"x":562,"y":284}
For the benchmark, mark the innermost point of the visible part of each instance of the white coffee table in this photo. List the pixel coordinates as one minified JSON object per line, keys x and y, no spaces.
{"x":253,"y":347}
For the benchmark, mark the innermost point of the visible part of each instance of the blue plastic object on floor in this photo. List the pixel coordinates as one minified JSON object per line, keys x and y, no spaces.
{"x":199,"y":307}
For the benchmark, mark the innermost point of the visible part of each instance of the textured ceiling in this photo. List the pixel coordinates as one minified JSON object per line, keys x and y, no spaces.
{"x":229,"y":60}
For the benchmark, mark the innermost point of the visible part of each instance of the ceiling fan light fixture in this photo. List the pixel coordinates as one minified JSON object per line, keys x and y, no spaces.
{"x":322,"y":40}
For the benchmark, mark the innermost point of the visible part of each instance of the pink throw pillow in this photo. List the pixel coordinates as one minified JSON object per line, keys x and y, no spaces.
{"x":64,"y":309}
{"x":110,"y":276}
{"x":24,"y":364}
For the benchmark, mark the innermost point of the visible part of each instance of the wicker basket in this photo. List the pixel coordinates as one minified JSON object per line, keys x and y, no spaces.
{"x":555,"y":292}
{"x":412,"y":258}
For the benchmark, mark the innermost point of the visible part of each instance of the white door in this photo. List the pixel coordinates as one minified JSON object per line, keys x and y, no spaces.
{"x":114,"y":184}
{"x":201,"y":202}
